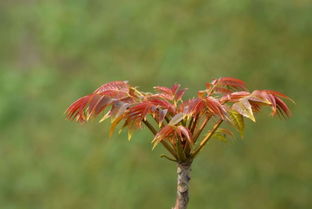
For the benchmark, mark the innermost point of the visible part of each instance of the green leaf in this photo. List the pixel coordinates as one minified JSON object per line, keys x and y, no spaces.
{"x":237,"y":121}
{"x":220,"y":137}
{"x":221,"y":134}
{"x":243,"y":107}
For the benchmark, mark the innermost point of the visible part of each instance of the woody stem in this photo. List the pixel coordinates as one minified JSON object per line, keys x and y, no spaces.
{"x":183,"y":171}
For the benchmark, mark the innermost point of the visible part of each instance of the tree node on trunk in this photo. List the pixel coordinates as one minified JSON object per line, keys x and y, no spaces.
{"x":184,"y":178}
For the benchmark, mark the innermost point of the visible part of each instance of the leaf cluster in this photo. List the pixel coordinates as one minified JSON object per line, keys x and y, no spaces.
{"x":176,"y":123}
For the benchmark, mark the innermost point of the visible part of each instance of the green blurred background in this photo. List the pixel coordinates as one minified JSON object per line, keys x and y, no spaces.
{"x":54,"y":51}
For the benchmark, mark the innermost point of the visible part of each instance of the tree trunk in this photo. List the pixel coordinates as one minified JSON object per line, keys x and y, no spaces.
{"x":184,"y":178}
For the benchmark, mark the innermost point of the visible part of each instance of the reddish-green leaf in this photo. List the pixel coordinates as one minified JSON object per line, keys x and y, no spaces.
{"x":177,"y":118}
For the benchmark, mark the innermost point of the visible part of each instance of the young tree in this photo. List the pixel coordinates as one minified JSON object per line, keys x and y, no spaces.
{"x":178,"y":124}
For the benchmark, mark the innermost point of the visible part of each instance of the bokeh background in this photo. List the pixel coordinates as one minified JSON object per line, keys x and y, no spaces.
{"x":54,"y":51}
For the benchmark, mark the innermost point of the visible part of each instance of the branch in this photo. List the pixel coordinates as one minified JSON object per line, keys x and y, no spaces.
{"x":169,"y":148}
{"x":195,"y":137}
{"x":192,"y":128}
{"x":191,"y":123}
{"x":207,"y":137}
{"x":167,"y":119}
{"x":168,"y":158}
{"x":150,"y":127}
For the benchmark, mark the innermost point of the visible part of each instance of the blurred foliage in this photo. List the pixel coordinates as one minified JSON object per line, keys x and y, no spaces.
{"x":54,"y":51}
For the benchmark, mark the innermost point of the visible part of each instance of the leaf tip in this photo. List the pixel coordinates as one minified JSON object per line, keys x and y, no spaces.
{"x":129,"y":136}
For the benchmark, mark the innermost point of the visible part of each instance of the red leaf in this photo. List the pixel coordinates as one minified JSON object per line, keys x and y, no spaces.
{"x":140,"y":110}
{"x":163,"y":89}
{"x":282,"y":108}
{"x":234,"y":97}
{"x":76,"y":110}
{"x":173,"y":93}
{"x":276,"y":93}
{"x":114,"y":85}
{"x":179,"y":94}
{"x":193,"y":106}
{"x":175,"y":87}
{"x":222,"y":90}
{"x":272,"y":98}
{"x":181,"y":130}
{"x":162,"y":103}
{"x":214,"y":106}
{"x":229,"y":82}
{"x":165,"y":132}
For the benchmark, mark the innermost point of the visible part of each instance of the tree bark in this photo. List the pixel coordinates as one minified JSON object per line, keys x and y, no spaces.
{"x":184,"y":178}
